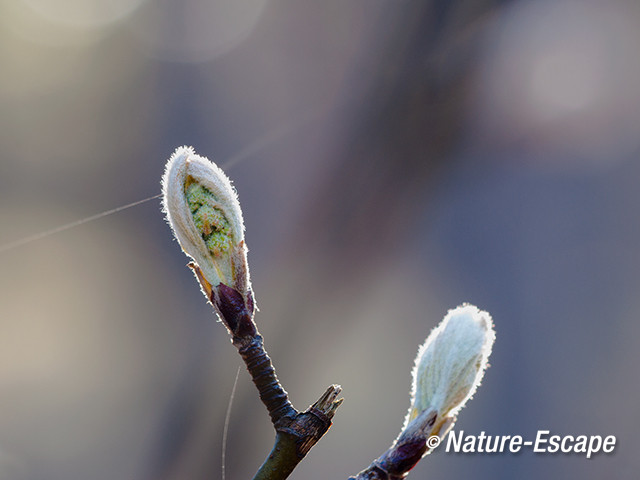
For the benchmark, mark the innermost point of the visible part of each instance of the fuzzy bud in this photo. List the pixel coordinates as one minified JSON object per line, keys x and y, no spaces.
{"x":203,"y":210}
{"x":451,"y":362}
{"x":448,"y":369}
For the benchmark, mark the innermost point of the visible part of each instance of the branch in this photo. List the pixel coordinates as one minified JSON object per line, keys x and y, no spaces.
{"x":296,"y":438}
{"x":415,"y":441}
{"x":203,"y":210}
{"x":296,"y":432}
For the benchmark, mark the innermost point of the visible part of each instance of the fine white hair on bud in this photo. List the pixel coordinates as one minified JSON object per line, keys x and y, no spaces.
{"x":451,"y":363}
{"x":203,"y":210}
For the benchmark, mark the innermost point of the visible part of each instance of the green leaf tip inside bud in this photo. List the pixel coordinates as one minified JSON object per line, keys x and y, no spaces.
{"x":451,"y":363}
{"x":209,"y":219}
{"x":203,"y":210}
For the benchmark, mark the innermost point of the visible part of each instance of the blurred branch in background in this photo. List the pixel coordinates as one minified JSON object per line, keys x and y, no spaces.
{"x":408,"y":96}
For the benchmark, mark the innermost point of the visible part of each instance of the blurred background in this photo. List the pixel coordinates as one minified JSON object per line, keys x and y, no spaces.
{"x":393,"y":160}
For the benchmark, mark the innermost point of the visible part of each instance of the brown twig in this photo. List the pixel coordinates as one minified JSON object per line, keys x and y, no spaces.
{"x":296,"y":432}
{"x":296,"y":437}
{"x":407,"y":450}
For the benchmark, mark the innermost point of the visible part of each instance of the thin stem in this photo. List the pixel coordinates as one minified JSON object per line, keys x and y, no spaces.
{"x":225,"y":430}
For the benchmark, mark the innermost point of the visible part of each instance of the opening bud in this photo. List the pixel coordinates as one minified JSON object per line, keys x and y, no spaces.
{"x":203,"y":210}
